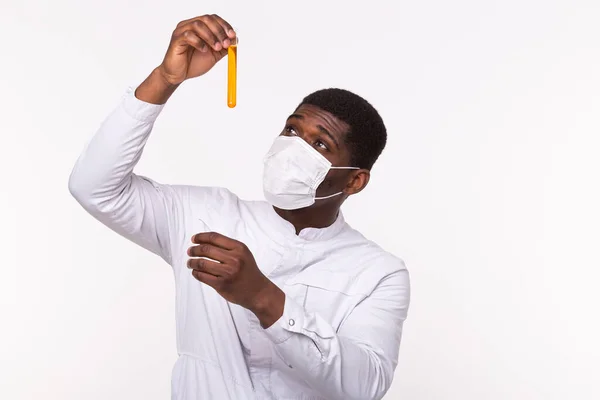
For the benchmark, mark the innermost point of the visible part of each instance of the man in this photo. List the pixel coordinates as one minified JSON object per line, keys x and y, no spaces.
{"x":278,"y":299}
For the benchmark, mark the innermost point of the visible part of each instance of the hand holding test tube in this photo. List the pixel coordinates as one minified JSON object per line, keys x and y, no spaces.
{"x":196,"y":45}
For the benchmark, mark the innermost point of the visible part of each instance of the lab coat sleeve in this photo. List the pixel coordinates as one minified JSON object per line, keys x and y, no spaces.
{"x":359,"y":360}
{"x":103,"y":182}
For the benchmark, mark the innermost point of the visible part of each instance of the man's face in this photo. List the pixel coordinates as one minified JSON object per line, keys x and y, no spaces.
{"x":326,"y":134}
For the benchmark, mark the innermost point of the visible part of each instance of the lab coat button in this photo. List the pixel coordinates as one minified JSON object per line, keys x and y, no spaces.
{"x":291,"y":322}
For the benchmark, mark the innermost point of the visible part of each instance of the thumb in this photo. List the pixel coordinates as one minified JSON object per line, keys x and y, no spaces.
{"x":220,"y":54}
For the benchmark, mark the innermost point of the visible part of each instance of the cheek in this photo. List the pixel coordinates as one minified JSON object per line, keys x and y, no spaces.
{"x":327,"y":183}
{"x":333,"y":180}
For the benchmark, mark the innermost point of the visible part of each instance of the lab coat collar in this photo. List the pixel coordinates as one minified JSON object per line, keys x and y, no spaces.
{"x":307,"y":234}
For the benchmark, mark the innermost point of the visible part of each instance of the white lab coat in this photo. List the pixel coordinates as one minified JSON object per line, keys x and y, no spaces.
{"x":346,"y":298}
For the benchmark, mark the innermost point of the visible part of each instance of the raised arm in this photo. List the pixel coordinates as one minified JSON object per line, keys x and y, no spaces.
{"x":103,"y":181}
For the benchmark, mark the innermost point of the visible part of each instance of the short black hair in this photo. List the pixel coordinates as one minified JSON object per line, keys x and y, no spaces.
{"x":367,"y":135}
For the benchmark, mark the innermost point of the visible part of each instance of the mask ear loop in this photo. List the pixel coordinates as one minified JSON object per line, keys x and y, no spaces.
{"x":335,"y":194}
{"x":328,"y":197}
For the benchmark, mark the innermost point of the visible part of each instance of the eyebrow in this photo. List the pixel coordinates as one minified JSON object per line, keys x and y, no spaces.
{"x":320,"y":127}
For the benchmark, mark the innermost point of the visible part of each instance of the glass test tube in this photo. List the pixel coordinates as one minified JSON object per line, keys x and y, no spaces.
{"x":232,"y":74}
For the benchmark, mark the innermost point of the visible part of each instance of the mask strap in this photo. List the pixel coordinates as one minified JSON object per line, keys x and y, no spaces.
{"x":328,"y":197}
{"x":335,"y":194}
{"x":344,"y":168}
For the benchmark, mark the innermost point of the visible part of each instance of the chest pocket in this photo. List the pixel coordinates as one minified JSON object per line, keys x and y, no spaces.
{"x":332,"y":295}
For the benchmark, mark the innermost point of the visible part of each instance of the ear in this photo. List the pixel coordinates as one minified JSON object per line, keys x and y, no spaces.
{"x":358,"y":181}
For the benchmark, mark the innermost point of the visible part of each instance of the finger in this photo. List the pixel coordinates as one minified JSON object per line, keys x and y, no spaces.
{"x":226,"y":26}
{"x":216,"y":239}
{"x":208,"y":279}
{"x":189,"y":38}
{"x":206,"y":266}
{"x":210,"y":251}
{"x":217,"y":29}
{"x":205,"y":33}
{"x":224,"y":32}
{"x":221,"y":54}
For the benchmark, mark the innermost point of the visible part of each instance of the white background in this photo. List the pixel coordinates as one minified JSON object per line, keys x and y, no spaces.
{"x":488,"y":189}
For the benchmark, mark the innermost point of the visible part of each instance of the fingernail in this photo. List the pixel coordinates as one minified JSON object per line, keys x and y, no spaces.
{"x":226,"y":43}
{"x":218,"y":46}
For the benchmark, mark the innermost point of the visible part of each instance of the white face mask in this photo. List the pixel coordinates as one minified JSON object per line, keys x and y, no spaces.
{"x":293,"y":170}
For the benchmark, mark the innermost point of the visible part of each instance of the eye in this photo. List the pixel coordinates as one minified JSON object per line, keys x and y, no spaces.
{"x":321,"y":144}
{"x":289,"y":130}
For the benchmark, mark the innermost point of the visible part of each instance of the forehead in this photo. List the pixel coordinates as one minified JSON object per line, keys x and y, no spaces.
{"x":315,"y":116}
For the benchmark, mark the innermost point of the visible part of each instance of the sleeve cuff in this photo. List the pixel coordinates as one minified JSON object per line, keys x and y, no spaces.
{"x":290,"y":322}
{"x":138,"y":109}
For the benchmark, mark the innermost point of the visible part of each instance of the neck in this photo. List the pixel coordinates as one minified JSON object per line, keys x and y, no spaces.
{"x":310,"y":217}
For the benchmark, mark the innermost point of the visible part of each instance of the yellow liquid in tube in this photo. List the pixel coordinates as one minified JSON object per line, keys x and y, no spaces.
{"x":231,"y":75}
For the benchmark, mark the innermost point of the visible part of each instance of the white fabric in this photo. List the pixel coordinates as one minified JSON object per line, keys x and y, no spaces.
{"x":346,"y":298}
{"x":293,"y":170}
